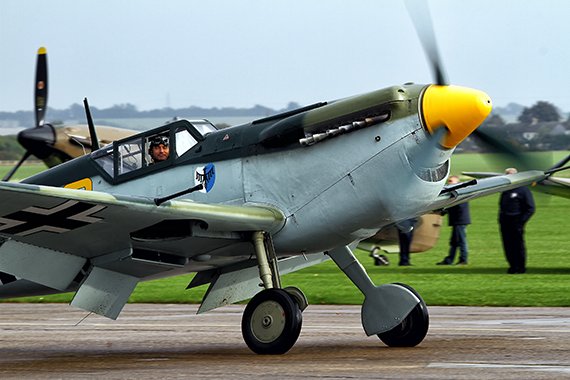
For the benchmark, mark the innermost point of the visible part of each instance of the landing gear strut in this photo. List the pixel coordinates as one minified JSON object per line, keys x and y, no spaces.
{"x":394,"y":312}
{"x":272,"y":320}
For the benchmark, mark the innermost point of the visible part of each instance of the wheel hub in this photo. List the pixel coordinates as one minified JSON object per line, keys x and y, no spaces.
{"x":268,"y":321}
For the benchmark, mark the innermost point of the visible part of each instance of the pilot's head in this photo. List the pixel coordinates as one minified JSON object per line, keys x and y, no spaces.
{"x":159,"y":148}
{"x":511,"y":171}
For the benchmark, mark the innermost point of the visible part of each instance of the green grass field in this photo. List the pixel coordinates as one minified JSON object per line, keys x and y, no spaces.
{"x":483,"y":282}
{"x":23,"y":172}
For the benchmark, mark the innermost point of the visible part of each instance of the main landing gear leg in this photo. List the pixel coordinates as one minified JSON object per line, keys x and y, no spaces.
{"x":271,"y":322}
{"x":395,"y":312}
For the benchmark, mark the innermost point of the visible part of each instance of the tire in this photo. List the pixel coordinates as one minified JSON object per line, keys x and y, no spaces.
{"x":413,"y":328}
{"x":271,"y":322}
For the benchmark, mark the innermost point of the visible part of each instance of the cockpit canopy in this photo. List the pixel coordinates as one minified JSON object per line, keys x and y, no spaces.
{"x":137,"y":155}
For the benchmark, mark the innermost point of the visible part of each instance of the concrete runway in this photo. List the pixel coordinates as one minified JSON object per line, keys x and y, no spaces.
{"x":43,"y":341}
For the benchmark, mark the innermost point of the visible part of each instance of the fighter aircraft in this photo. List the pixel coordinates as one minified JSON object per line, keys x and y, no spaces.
{"x":242,"y":206}
{"x":57,"y":144}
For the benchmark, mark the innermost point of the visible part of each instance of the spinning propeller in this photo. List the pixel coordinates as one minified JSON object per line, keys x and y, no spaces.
{"x":450,"y":113}
{"x":447,"y":108}
{"x":459,"y":110}
{"x":43,"y":140}
{"x":421,"y":18}
{"x":448,"y":104}
{"x":38,"y":140}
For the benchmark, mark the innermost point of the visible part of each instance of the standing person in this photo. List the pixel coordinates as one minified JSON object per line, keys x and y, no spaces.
{"x":458,"y":218}
{"x":405,"y":236}
{"x":516,"y":206}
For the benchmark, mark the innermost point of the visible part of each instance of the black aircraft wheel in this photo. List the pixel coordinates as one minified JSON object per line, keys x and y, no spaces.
{"x":271,"y":322}
{"x":413,"y":328}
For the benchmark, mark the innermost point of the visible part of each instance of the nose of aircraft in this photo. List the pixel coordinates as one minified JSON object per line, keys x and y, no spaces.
{"x":460,"y":109}
{"x":38,"y":140}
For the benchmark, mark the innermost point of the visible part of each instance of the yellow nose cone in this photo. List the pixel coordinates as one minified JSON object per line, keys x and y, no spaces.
{"x":460,"y":109}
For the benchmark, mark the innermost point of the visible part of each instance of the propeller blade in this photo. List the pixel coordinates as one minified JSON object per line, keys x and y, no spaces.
{"x":509,"y":154}
{"x":557,"y":166}
{"x":41,"y":87}
{"x":38,"y":141}
{"x":421,"y":18}
{"x":16,"y":167}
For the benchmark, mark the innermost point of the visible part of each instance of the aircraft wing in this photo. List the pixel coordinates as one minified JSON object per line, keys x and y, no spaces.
{"x":104,"y":244}
{"x":57,"y":218}
{"x":487,"y":186}
{"x":552,"y":185}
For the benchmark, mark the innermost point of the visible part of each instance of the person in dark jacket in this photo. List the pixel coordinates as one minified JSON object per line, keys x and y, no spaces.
{"x":458,"y":218}
{"x":405,"y":236}
{"x":516,"y":206}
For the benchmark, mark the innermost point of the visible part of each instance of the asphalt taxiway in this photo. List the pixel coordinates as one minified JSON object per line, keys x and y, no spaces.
{"x":44,"y":341}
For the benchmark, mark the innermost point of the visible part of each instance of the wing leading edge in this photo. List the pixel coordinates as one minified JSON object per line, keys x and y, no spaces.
{"x":552,"y":185}
{"x":487,"y":186}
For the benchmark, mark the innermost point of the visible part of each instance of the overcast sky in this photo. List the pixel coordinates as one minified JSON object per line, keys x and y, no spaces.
{"x":239,"y":53}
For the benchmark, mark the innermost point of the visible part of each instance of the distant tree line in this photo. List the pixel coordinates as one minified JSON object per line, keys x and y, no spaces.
{"x":128,"y":111}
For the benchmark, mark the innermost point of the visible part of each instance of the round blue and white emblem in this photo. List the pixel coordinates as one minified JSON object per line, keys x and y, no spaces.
{"x":206,"y":175}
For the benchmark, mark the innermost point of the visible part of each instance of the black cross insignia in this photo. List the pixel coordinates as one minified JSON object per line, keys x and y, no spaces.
{"x":58,"y":219}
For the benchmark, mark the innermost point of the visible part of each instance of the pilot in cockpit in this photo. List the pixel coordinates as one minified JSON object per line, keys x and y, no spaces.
{"x":159,"y":149}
